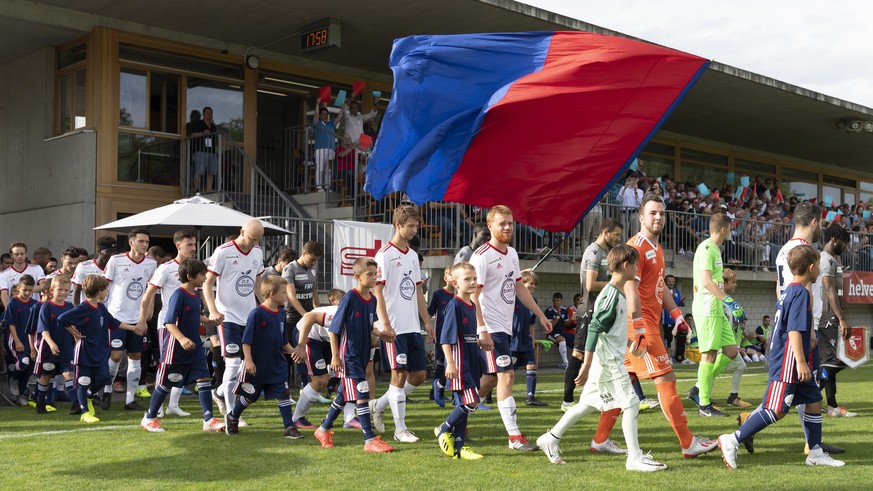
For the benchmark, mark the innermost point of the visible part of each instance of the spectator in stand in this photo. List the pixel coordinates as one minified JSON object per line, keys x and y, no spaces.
{"x":345,"y":165}
{"x":353,"y":120}
{"x":658,"y":189}
{"x":325,"y":144}
{"x":205,"y":158}
{"x":481,"y":235}
{"x":630,"y":196}
{"x":683,"y":226}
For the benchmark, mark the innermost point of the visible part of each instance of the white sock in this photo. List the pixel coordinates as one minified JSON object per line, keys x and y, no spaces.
{"x":59,"y":383}
{"x":134,"y":371}
{"x":737,"y":378}
{"x":382,"y":402}
{"x":507,"y":414}
{"x":567,"y":420}
{"x":562,"y":349}
{"x":349,"y":411}
{"x":175,"y":395}
{"x":231,"y":374}
{"x":113,"y":372}
{"x":631,"y":432}
{"x":747,"y":359}
{"x":397,"y":401}
{"x":307,"y":397}
{"x":408,"y":388}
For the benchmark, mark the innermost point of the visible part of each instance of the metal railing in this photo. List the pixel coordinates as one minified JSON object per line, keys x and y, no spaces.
{"x":344,"y":166}
{"x":303,"y":230}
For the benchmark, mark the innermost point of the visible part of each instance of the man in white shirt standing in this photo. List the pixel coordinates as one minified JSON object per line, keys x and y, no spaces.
{"x":128,"y":276}
{"x":400,"y":305}
{"x":630,"y":196}
{"x":497,"y":272}
{"x":236,"y":267}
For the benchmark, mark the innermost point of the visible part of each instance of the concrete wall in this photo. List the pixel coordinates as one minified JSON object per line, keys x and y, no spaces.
{"x":48,"y":184}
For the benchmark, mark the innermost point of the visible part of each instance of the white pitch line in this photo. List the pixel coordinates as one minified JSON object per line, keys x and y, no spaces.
{"x":83,"y":430}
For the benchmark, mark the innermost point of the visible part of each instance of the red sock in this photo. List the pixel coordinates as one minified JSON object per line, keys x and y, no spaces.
{"x":606,"y":424}
{"x":671,"y":405}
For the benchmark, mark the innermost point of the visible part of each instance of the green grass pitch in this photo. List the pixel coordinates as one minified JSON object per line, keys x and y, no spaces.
{"x":56,"y":451}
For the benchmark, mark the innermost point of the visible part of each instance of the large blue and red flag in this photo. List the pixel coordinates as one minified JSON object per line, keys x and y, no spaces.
{"x":541,"y":122}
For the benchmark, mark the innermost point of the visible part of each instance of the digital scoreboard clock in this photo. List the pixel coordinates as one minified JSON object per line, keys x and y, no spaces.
{"x":321,"y":34}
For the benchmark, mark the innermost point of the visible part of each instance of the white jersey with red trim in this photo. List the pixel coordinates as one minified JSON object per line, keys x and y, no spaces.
{"x":400,"y":272}
{"x":128,"y":281}
{"x":496,"y":273}
{"x":84,"y":270}
{"x":237,"y":273}
{"x":784,"y":277}
{"x":166,"y":279}
{"x":319,"y":330}
{"x":49,"y":279}
{"x":10,"y":278}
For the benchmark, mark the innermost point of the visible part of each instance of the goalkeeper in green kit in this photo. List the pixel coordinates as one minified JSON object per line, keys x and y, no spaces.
{"x":714,"y":330}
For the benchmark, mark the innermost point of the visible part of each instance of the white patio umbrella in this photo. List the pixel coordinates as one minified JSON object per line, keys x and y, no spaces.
{"x":206,"y":217}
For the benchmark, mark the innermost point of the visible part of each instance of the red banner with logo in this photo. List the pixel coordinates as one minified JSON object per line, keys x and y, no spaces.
{"x":857,"y":288}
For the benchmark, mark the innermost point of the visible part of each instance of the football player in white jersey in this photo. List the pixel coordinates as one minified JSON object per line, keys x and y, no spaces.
{"x":128,"y":275}
{"x":400,"y":305}
{"x":497,"y":271}
{"x":10,"y":276}
{"x":236,"y":268}
{"x":69,"y":261}
{"x":166,"y":280}
{"x":105,"y":250}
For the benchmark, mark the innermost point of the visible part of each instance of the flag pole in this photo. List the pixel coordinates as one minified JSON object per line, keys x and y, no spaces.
{"x":549,"y":253}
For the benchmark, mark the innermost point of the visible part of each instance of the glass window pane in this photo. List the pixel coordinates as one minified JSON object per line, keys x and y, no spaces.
{"x":839,"y":181}
{"x":867,"y":197}
{"x":164,"y":102}
{"x":701,"y":156}
{"x":71,"y":56}
{"x":754,"y":168}
{"x":831,"y":192}
{"x":657,"y":166}
{"x":148,"y":159}
{"x":80,"y":99}
{"x":65,"y":118}
{"x":132,"y":102}
{"x":867,"y":186}
{"x":226,"y":101}
{"x":660,"y":149}
{"x":713,"y":177}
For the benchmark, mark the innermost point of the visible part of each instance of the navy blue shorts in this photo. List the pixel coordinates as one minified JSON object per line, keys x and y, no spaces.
{"x":231,"y":339}
{"x":469,"y":397}
{"x":179,"y":374}
{"x":252,"y":392}
{"x":523,"y":358}
{"x":355,"y":389}
{"x":124,"y":340}
{"x":782,"y":396}
{"x":317,"y":356}
{"x":500,"y":358}
{"x":405,"y":353}
{"x":96,"y":377}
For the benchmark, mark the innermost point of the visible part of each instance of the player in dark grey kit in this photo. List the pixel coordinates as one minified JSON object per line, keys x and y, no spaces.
{"x":302,"y":290}
{"x":593,"y":276}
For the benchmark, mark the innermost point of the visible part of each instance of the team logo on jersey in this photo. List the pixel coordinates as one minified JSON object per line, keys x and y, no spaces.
{"x":503,"y":361}
{"x":321,"y":364}
{"x":83,"y":380}
{"x":401,"y":359}
{"x":135,"y":289}
{"x":248,"y":388}
{"x":174,"y":377}
{"x":407,"y":287}
{"x":363,"y":387}
{"x":48,"y":366}
{"x":117,"y":343}
{"x":245,"y":285}
{"x":507,"y":289}
{"x":232,"y":348}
